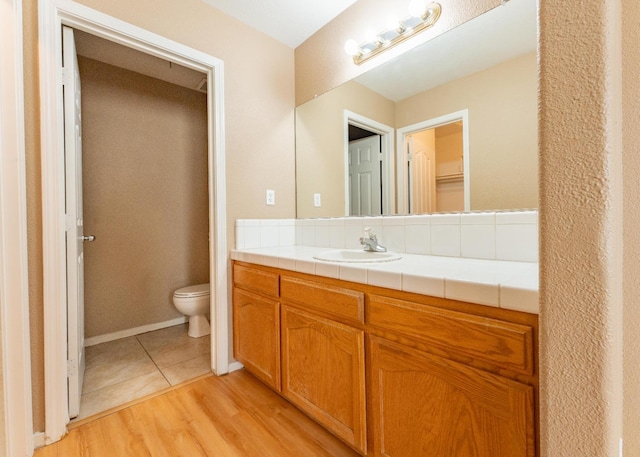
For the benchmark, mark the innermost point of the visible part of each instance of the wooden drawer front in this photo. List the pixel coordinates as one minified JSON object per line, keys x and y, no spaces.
{"x":425,"y":405}
{"x":263,"y":282}
{"x":502,"y":344}
{"x":256,"y":335}
{"x":336,"y":301}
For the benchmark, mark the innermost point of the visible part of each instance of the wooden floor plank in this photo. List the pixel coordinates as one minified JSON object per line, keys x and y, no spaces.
{"x":229,"y":416}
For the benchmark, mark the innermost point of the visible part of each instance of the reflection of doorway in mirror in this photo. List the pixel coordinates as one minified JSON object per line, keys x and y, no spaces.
{"x":365,"y":170}
{"x":375,"y":194}
{"x":435,"y":169}
{"x":433,"y":165}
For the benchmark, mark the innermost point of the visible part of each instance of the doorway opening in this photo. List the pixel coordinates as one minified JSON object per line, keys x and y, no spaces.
{"x":433,"y":165}
{"x":53,"y":15}
{"x":369,"y":166}
{"x":140,"y":190}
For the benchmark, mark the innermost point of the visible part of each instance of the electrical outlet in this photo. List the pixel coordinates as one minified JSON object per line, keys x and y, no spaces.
{"x":316,"y":200}
{"x":271,"y":197}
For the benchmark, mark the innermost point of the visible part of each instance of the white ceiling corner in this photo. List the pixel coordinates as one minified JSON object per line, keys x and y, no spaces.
{"x":288,"y":21}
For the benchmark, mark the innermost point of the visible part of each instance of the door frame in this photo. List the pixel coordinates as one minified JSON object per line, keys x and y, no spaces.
{"x":462,"y":115}
{"x":388,"y":171}
{"x":15,"y":389}
{"x":52,"y":15}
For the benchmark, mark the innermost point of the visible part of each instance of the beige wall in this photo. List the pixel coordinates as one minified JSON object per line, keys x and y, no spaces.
{"x":320,"y":144}
{"x":631,"y":138}
{"x":259,"y":124}
{"x":449,"y":148}
{"x":503,"y":135}
{"x":145,"y":196}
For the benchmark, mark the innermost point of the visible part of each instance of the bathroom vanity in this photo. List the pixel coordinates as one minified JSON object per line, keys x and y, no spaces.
{"x":427,"y":350}
{"x":390,"y":372}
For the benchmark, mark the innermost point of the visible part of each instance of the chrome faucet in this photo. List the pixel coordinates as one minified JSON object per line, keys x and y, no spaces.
{"x":370,"y":242}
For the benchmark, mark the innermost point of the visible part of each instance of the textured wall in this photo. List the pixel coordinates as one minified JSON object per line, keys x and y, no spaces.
{"x":631,"y":138}
{"x":145,"y":196}
{"x":580,"y":215}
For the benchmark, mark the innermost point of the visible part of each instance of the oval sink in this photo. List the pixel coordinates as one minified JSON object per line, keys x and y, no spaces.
{"x":356,"y":256}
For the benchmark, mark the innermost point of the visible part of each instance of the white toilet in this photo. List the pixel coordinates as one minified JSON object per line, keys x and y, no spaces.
{"x":193,"y":301}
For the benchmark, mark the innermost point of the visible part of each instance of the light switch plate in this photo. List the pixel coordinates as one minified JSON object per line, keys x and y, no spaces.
{"x":317,"y":202}
{"x":271,"y":197}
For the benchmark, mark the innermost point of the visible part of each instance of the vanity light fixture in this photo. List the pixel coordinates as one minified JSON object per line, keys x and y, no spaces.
{"x":421,"y":17}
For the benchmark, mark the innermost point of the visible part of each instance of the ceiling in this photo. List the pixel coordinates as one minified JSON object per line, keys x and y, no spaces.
{"x":288,"y":21}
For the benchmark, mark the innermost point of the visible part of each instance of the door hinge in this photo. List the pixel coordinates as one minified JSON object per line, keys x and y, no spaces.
{"x":72,"y":368}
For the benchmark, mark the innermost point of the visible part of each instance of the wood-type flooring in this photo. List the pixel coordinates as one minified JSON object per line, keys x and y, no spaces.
{"x":229,"y":416}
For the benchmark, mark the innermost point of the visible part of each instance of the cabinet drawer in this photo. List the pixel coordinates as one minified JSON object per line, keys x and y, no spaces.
{"x":502,"y":344}
{"x":263,"y":282}
{"x":336,"y":301}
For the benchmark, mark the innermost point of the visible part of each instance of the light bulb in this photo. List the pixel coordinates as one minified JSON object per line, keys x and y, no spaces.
{"x":393,"y":23}
{"x":417,"y":8}
{"x":351,"y":47}
{"x":371,"y":36}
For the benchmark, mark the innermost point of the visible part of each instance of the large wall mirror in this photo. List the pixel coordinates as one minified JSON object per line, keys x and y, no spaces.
{"x":450,"y":125}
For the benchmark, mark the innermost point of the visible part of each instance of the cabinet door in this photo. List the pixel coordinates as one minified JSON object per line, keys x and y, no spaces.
{"x":323,"y":373}
{"x":424,"y":405}
{"x":256,"y":335}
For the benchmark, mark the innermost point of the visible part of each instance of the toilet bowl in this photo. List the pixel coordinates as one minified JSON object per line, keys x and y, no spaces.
{"x":193,"y":301}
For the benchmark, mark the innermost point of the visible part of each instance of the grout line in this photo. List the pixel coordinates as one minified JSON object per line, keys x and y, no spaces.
{"x":153,"y":361}
{"x":159,"y":370}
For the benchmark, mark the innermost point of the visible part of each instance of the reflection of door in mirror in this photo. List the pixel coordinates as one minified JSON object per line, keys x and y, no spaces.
{"x":369,"y":169}
{"x":421,"y":160}
{"x":435,"y":169}
{"x":365,"y":181}
{"x":433,"y":165}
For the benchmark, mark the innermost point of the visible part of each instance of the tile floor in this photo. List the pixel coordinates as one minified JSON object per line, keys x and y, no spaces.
{"x":123,"y":370}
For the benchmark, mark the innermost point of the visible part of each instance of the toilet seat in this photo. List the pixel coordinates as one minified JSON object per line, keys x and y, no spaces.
{"x":199,"y":290}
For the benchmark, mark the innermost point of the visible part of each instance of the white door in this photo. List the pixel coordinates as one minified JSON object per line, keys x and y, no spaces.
{"x":421,"y":156}
{"x":74,"y":223}
{"x":364,"y":177}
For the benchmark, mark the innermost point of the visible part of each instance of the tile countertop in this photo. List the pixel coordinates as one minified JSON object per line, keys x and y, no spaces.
{"x":502,"y":284}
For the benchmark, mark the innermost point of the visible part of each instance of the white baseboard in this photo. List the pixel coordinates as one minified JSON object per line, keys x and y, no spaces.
{"x":38,"y":440}
{"x":133,"y":331}
{"x":235,"y":366}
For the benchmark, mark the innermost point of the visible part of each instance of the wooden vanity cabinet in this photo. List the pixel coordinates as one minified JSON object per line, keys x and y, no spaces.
{"x":323,"y":359}
{"x":456,"y":409}
{"x":256,"y":323}
{"x":392,"y":374}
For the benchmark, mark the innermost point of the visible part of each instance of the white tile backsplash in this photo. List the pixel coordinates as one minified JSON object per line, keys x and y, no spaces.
{"x":478,"y":241}
{"x":323,"y":235}
{"x":445,"y":239}
{"x":417,"y":239}
{"x":511,"y":236}
{"x":337,"y":235}
{"x":517,"y":242}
